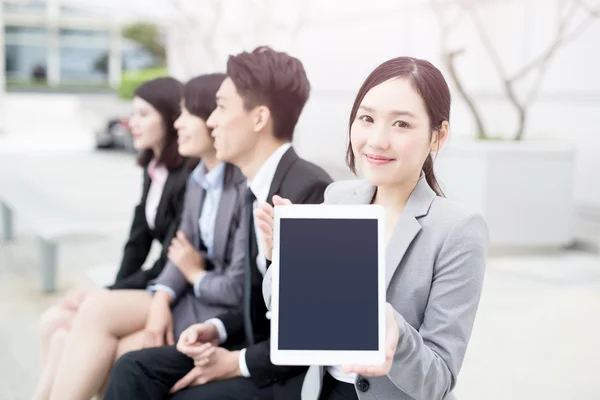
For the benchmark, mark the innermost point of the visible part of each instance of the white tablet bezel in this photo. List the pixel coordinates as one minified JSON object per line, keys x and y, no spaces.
{"x":328,"y":357}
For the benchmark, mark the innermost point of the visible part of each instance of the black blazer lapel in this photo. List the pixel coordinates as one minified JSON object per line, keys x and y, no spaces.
{"x":163,"y":205}
{"x":146,"y":186}
{"x":286,"y":162}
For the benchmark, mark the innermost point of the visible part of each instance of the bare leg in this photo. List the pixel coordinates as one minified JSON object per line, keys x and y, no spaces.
{"x":132,"y":342}
{"x":60,"y":316}
{"x":90,"y":351}
{"x":53,"y":319}
{"x":55,"y":347}
{"x":54,"y":324}
{"x":129,"y":343}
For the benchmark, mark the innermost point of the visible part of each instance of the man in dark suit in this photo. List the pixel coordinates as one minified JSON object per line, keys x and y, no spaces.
{"x":258,"y":106}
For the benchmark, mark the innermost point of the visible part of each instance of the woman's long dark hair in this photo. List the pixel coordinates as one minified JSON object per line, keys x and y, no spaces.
{"x":164,"y":94}
{"x":428,"y":82}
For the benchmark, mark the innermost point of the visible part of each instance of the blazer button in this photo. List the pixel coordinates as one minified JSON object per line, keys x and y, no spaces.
{"x":363,"y":385}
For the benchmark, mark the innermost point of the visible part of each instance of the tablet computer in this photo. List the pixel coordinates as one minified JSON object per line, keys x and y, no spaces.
{"x":328,"y":285}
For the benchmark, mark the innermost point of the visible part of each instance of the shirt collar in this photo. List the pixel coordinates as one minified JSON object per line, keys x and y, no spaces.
{"x":261,"y":184}
{"x":156,"y":170}
{"x":212,"y":179}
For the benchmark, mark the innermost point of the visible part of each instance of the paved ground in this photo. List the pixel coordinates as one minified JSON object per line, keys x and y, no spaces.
{"x":98,"y":185}
{"x":537,"y":330}
{"x":535,"y":335}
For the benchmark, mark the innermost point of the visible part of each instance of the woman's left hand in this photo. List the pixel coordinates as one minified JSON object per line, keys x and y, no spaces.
{"x":392,"y":335}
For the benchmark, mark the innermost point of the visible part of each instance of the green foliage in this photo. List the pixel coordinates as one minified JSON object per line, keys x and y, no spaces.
{"x":132,"y":79}
{"x":148,"y":36}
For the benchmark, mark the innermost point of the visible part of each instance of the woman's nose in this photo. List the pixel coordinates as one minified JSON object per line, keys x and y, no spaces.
{"x":379,"y":139}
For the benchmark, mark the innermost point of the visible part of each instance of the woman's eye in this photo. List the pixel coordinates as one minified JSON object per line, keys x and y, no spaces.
{"x":366,"y":118}
{"x":401,"y":124}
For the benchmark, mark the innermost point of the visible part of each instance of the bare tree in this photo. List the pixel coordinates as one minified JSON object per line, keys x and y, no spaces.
{"x":197,"y":31}
{"x":203,"y":28}
{"x":447,"y":25}
{"x":566,"y":31}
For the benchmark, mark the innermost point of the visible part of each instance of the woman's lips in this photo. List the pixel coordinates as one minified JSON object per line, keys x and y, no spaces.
{"x":377,"y":159}
{"x":182,"y":139}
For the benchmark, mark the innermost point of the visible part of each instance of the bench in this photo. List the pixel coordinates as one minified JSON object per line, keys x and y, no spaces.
{"x":51,"y":221}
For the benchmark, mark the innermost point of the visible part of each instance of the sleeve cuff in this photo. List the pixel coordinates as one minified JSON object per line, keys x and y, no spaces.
{"x":197,"y":284}
{"x":243,"y":366}
{"x":220,"y":328}
{"x":158,"y":287}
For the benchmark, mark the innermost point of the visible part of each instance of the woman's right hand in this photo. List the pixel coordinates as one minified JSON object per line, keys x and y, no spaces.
{"x":264,"y":215}
{"x":159,"y":324}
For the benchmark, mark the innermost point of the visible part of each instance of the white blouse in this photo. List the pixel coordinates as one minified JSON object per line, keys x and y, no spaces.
{"x":158,"y":176}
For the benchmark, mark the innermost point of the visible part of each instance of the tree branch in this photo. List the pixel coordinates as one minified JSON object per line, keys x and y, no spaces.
{"x":302,"y":20}
{"x":594,"y":12}
{"x":497,"y":62}
{"x":208,"y":31}
{"x":448,"y":27}
{"x":449,"y":62}
{"x":541,"y":62}
{"x":487,"y":42}
{"x":448,"y":59}
{"x":559,"y":40}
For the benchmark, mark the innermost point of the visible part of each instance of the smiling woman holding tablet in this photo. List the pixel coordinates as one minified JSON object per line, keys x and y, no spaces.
{"x":434,"y":250}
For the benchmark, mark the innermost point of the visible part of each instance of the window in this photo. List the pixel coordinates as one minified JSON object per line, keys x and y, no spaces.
{"x":25,"y":35}
{"x":84,"y":38}
{"x":26,"y":52}
{"x":25,"y":62}
{"x":83,"y":55}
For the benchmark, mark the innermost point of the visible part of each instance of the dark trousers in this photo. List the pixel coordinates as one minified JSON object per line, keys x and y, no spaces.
{"x":335,"y":390}
{"x":151,"y":373}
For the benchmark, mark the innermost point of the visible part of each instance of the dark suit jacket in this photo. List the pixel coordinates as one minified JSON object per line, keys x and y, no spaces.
{"x":221,"y":289}
{"x":303,"y":183}
{"x":130,"y":275}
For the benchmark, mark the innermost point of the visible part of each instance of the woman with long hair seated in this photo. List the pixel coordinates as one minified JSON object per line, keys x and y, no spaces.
{"x":156,"y":217}
{"x":202,"y":278}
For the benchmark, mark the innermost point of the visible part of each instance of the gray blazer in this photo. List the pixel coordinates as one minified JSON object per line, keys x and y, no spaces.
{"x":222,"y":287}
{"x":435,"y":267}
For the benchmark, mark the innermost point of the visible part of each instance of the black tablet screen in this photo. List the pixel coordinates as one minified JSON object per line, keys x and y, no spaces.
{"x":328,"y":284}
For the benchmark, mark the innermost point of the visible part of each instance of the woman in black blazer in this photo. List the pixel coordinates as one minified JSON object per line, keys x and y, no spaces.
{"x":156,"y":106}
{"x":141,"y":236}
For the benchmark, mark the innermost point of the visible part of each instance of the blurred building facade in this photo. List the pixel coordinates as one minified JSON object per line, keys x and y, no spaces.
{"x":61,"y":42}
